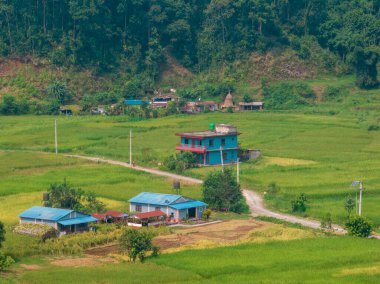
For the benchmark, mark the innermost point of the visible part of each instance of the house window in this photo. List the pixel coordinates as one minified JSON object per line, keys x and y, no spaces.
{"x":232,"y":155}
{"x":186,"y":141}
{"x":233,"y":138}
{"x":223,"y":143}
{"x":224,"y":156}
{"x":200,"y":142}
{"x":138,"y":208}
{"x":211,"y":142}
{"x":157,"y":208}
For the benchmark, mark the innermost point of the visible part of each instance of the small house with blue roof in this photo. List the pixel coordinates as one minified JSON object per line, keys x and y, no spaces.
{"x":63,"y":220}
{"x":176,"y":207}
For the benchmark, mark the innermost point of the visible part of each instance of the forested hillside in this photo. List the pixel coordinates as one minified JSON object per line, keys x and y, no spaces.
{"x":140,"y":40}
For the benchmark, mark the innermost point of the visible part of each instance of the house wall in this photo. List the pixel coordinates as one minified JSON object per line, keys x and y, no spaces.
{"x":214,"y":158}
{"x":231,"y":141}
{"x":148,"y":208}
{"x":39,"y":221}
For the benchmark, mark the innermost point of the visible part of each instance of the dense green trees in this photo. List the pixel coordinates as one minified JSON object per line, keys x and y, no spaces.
{"x":222,"y":192}
{"x":136,"y":35}
{"x":65,"y":195}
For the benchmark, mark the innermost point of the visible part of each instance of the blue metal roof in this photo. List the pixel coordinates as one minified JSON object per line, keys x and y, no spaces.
{"x":45,"y":213}
{"x":187,"y":205}
{"x":75,"y":221}
{"x":154,"y":198}
{"x":135,"y":102}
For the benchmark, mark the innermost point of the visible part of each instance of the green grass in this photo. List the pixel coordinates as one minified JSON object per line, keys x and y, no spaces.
{"x":310,"y":260}
{"x":340,"y":147}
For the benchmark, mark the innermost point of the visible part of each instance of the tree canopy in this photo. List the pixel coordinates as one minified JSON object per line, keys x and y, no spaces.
{"x":222,"y":192}
{"x":135,"y":35}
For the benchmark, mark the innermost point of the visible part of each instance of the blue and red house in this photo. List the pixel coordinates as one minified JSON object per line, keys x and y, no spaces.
{"x":216,"y":146}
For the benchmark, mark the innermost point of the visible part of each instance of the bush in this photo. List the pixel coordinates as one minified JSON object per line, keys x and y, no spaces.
{"x":11,"y":106}
{"x":288,"y":95}
{"x":180,"y":162}
{"x":136,"y":243}
{"x":5,"y":261}
{"x":373,"y":127}
{"x":359,"y":227}
{"x":299,"y":204}
{"x":58,"y":90}
{"x":206,"y":215}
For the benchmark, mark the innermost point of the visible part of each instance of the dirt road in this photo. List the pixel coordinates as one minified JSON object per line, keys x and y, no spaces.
{"x":139,"y":168}
{"x":255,"y":203}
{"x":254,"y":200}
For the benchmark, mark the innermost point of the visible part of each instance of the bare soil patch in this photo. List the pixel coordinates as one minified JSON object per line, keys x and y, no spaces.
{"x":30,"y":266}
{"x":76,"y":262}
{"x":223,"y":233}
{"x":102,"y":251}
{"x":319,"y":92}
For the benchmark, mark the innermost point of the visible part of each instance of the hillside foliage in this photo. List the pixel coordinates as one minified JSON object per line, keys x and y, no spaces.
{"x":135,"y":36}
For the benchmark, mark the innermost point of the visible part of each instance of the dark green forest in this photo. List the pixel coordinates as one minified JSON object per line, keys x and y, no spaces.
{"x":134,"y":35}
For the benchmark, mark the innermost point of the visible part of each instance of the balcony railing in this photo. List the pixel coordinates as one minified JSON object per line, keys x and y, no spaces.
{"x":190,"y":147}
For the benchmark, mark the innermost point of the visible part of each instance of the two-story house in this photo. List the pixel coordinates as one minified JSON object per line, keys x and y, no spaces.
{"x":216,"y":146}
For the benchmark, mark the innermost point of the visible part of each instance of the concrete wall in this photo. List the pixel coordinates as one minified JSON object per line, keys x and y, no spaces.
{"x":148,"y":208}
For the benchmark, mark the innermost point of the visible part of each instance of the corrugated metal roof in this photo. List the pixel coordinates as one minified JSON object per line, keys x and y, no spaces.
{"x":45,"y":213}
{"x":150,"y":214}
{"x":75,"y":221}
{"x":154,"y":198}
{"x":187,"y":205}
{"x":136,"y":102}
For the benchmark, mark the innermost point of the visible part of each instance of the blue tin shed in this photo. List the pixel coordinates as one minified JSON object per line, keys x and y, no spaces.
{"x":63,"y":220}
{"x":176,"y":207}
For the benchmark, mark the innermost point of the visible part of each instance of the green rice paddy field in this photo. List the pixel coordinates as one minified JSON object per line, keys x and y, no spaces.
{"x":306,"y":151}
{"x":311,"y":260}
{"x":317,"y":154}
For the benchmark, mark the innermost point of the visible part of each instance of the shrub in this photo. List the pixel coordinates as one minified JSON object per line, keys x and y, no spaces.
{"x":206,"y":215}
{"x":11,"y":106}
{"x":373,"y":127}
{"x":2,"y":233}
{"x":299,"y":204}
{"x":349,"y":205}
{"x":287,"y":95}
{"x":331,"y":92}
{"x":57,"y":90}
{"x":180,"y":162}
{"x":5,"y":261}
{"x":136,"y":243}
{"x":359,"y":227}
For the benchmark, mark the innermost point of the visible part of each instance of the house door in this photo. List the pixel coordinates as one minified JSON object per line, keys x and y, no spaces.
{"x":191,"y":213}
{"x":72,"y":228}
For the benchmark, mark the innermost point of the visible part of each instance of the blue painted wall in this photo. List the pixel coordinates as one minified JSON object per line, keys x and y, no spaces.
{"x":213,"y":144}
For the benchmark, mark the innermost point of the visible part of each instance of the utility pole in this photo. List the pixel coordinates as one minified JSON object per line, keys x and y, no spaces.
{"x":56,"y":137}
{"x":237,"y":171}
{"x":360,"y":198}
{"x":361,"y":188}
{"x":130,"y":147}
{"x":221,"y":158}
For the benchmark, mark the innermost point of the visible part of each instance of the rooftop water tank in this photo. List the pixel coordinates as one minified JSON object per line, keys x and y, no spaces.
{"x":212,"y":126}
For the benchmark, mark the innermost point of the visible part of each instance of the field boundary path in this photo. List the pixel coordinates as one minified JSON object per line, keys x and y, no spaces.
{"x":139,"y":168}
{"x":254,"y":200}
